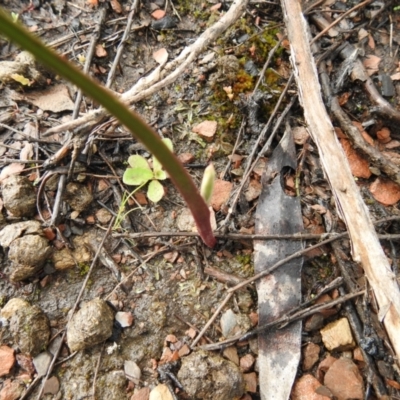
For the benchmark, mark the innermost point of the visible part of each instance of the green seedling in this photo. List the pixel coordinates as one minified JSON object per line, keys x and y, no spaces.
{"x":138,"y":128}
{"x":121,"y":209}
{"x":140,"y":173}
{"x":207,"y":184}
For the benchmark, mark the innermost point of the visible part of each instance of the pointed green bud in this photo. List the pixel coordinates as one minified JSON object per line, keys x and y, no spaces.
{"x":207,"y":184}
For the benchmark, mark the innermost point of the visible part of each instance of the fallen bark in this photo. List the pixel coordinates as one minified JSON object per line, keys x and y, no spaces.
{"x":366,"y":248}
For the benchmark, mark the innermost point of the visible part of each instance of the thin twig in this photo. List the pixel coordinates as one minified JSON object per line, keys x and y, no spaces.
{"x":211,"y":320}
{"x":337,"y":20}
{"x":96,"y":371}
{"x":121,"y":46}
{"x":250,"y":165}
{"x":283,"y":321}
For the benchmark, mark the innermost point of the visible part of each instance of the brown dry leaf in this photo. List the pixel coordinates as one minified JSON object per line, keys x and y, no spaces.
{"x":228,"y":91}
{"x":236,"y":160}
{"x":100,"y":51}
{"x":396,"y":76}
{"x":385,"y":191}
{"x":362,"y":33}
{"x":371,"y":63}
{"x":393,"y":383}
{"x":206,"y":130}
{"x":392,"y":144}
{"x":251,"y":382}
{"x":371,"y":42}
{"x":300,"y":135}
{"x":215,"y":7}
{"x":141,"y":394}
{"x":171,"y":256}
{"x":186,"y":158}
{"x":49,"y":233}
{"x":55,"y":98}
{"x":343,"y":98}
{"x":339,"y":133}
{"x":141,"y":198}
{"x":259,"y":168}
{"x":253,"y":190}
{"x":158,"y":14}
{"x":102,"y":185}
{"x":116,"y":6}
{"x":252,"y":50}
{"x":222,"y":191}
{"x":11,"y":169}
{"x":161,"y":56}
{"x":359,"y":166}
{"x":191,"y":332}
{"x":383,"y":135}
{"x":285,"y":42}
{"x":26,"y":152}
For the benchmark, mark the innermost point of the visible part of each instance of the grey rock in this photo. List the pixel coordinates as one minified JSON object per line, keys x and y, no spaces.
{"x":42,"y":362}
{"x":132,"y":371}
{"x":31,"y":329}
{"x":14,"y":231}
{"x":52,"y":386}
{"x":19,"y":196}
{"x":91,"y":325}
{"x":207,"y":376}
{"x":228,"y":322}
{"x":77,"y":196}
{"x":28,"y":255}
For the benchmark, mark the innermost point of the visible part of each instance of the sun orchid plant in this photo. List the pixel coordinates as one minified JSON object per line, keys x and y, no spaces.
{"x":138,"y":128}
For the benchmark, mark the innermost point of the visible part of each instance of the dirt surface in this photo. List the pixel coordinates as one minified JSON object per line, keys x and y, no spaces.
{"x":54,"y":219}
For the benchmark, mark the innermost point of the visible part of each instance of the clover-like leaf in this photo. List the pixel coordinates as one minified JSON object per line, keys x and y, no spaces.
{"x":155,"y":191}
{"x":137,"y":176}
{"x":160,"y":174}
{"x":137,"y":161}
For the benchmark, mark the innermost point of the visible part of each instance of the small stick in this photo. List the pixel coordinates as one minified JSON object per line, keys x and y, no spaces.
{"x":211,"y":320}
{"x":250,"y":166}
{"x":337,"y":20}
{"x":121,"y":46}
{"x":283,"y":321}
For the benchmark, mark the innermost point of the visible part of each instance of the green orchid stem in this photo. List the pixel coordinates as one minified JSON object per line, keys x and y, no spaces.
{"x":139,"y":129}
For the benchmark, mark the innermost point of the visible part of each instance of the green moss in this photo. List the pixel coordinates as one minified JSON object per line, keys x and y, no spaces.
{"x":244,"y":259}
{"x":244,"y":83}
{"x":83,"y":269}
